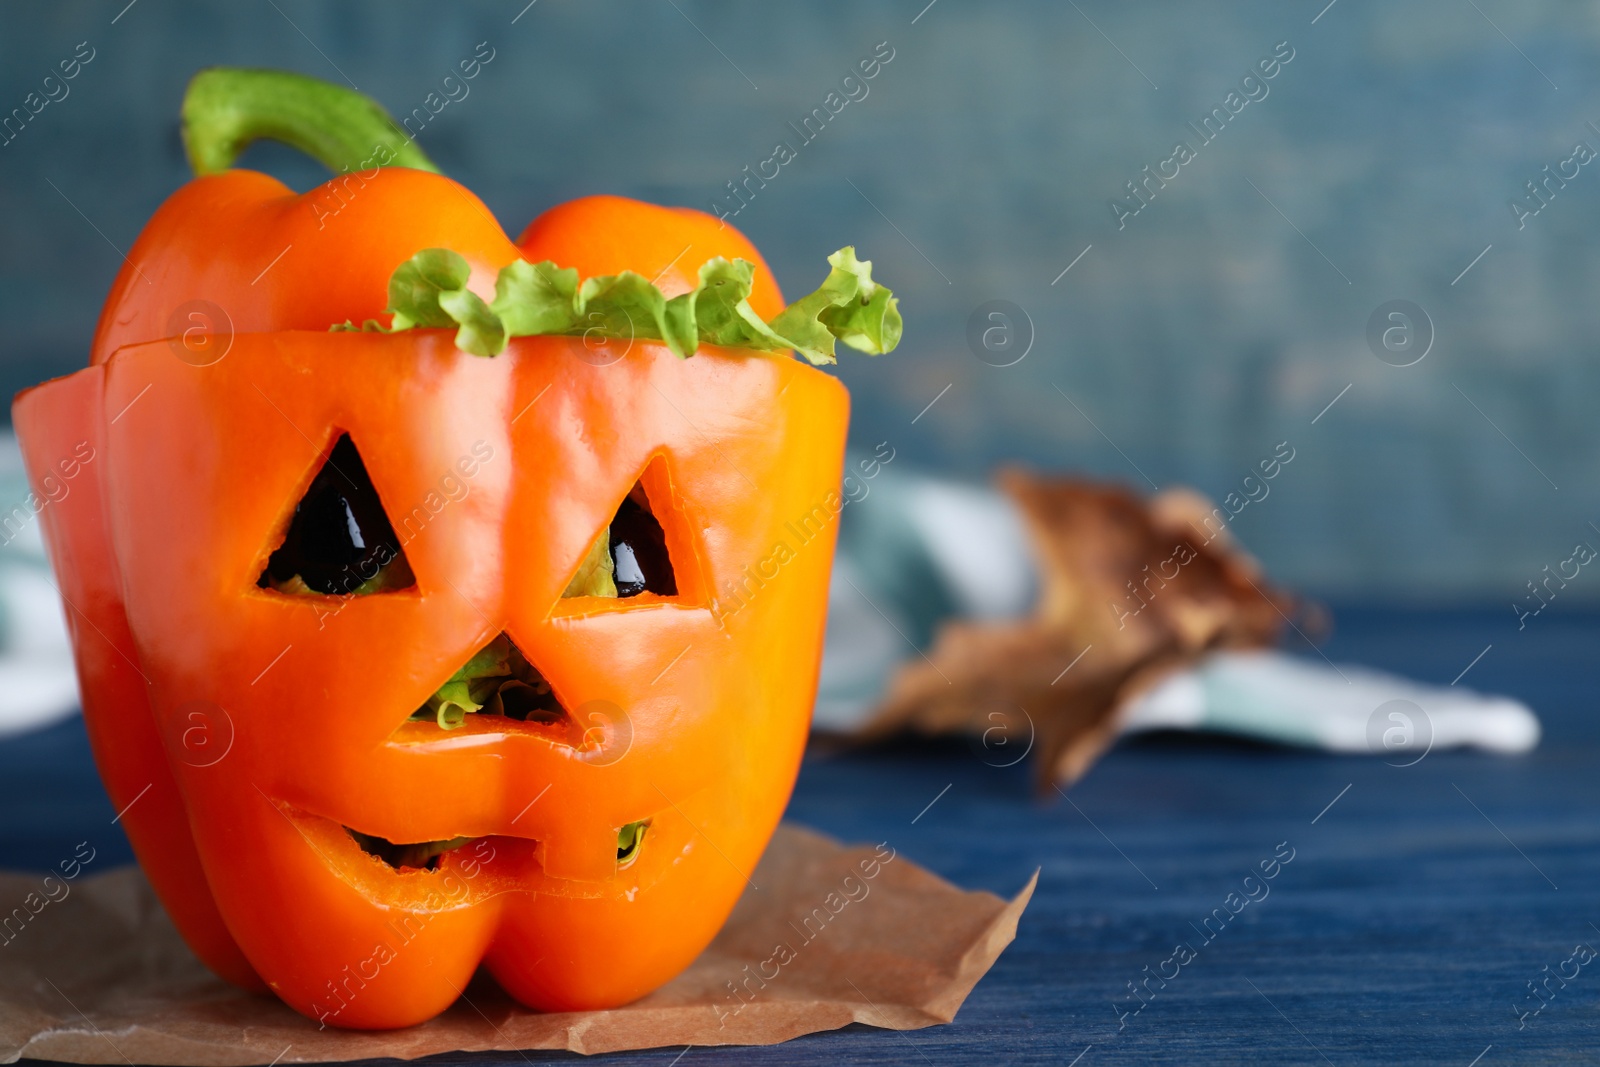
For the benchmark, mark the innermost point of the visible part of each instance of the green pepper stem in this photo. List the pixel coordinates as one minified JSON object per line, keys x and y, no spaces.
{"x":227,"y":108}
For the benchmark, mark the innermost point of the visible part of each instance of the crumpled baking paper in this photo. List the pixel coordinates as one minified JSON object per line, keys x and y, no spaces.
{"x":92,"y":971}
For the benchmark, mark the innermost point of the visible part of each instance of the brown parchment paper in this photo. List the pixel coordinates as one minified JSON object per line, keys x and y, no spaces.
{"x":101,"y":976}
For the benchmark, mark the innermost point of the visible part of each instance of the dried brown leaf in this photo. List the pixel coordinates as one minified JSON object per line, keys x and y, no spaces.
{"x":1131,"y":589}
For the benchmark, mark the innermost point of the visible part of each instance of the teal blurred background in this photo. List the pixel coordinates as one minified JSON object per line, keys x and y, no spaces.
{"x":1376,"y":164}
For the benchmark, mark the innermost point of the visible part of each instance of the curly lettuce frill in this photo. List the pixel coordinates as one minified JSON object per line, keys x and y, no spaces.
{"x":532,"y":299}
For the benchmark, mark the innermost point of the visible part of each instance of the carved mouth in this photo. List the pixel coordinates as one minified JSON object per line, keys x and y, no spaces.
{"x":426,"y":855}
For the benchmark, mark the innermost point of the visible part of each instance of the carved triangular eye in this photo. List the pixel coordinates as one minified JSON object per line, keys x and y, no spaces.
{"x":340,"y":541}
{"x":629,"y":557}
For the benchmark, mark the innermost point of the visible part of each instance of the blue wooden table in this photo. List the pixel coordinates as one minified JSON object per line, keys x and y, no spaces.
{"x":1419,"y":904}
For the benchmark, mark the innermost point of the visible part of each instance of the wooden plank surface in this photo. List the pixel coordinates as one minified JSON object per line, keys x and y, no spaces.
{"x":1405,"y":929}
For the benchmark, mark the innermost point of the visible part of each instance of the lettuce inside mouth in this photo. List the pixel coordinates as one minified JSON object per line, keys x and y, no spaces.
{"x":630,"y":839}
{"x":422,"y":855}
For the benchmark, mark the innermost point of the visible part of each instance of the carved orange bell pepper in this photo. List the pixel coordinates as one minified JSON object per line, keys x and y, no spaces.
{"x":401,"y":660}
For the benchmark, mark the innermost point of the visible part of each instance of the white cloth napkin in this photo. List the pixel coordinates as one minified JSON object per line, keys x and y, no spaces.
{"x":37,"y":683}
{"x":1293,"y":701}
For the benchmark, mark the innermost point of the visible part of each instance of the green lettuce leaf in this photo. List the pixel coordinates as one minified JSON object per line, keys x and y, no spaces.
{"x":535,"y":298}
{"x":481,"y":330}
{"x":531,"y":299}
{"x":596,"y":574}
{"x":849,"y":305}
{"x":416,"y":285}
{"x":629,"y":840}
{"x":450,"y":704}
{"x":470,"y":688}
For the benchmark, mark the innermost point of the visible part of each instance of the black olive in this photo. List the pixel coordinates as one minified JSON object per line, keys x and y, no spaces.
{"x":639,"y":551}
{"x":339,"y":536}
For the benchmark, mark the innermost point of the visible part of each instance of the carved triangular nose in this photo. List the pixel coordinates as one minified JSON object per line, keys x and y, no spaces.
{"x":498,"y":681}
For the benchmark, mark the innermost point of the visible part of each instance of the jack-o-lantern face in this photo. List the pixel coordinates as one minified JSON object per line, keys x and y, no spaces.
{"x":397,"y":660}
{"x":288,"y":710}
